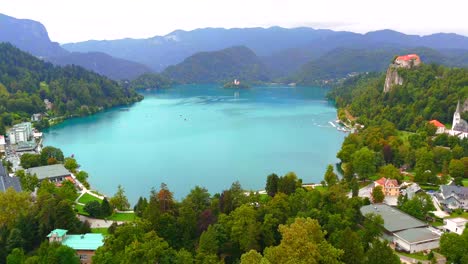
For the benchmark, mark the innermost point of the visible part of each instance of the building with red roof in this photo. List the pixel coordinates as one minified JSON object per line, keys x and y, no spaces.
{"x":408,"y":61}
{"x":390,"y":187}
{"x":440,"y":127}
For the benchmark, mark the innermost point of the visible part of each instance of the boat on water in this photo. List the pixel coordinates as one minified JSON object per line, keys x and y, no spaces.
{"x":331,"y":123}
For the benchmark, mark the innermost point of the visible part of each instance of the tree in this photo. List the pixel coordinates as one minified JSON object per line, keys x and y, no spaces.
{"x":289,"y":183}
{"x":330,"y":177}
{"x":363,"y":162}
{"x":16,"y":257}
{"x":93,"y":208}
{"x":140,"y":206}
{"x":245,"y":229}
{"x":381,"y":253}
{"x":303,"y":242}
{"x":390,"y":172}
{"x":12,"y":205}
{"x":351,"y":244}
{"x":251,"y":257}
{"x":82,"y":177}
{"x":454,"y":247}
{"x":419,"y":206}
{"x":71,"y":164}
{"x":51,"y":152}
{"x":106,"y":208}
{"x":15,"y":239}
{"x":29,"y":160}
{"x":372,"y":229}
{"x":272,"y":184}
{"x":119,"y":200}
{"x":28,"y":182}
{"x":377,"y":194}
{"x":209,"y":242}
{"x":456,"y":168}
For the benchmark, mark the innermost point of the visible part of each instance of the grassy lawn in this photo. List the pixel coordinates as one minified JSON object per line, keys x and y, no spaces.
{"x":86,"y":198}
{"x":453,"y":215}
{"x":102,"y":230}
{"x":122,"y":217}
{"x":418,"y":255}
{"x":465,"y":182}
{"x":80,"y":210}
{"x":321,"y":188}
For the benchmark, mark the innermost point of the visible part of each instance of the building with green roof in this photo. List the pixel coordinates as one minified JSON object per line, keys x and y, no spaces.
{"x":85,"y":245}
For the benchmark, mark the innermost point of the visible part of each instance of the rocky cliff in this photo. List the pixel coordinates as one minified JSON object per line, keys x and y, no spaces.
{"x":392,"y":78}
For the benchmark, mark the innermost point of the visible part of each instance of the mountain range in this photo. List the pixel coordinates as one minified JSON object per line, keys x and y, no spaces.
{"x":302,"y":55}
{"x":31,"y":36}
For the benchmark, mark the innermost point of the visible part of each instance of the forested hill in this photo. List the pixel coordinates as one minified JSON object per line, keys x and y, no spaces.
{"x":31,"y":36}
{"x":26,"y":81}
{"x":219,"y":66}
{"x":340,"y":62}
{"x":428,"y":92}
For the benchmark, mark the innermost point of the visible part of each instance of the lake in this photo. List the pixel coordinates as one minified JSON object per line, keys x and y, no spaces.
{"x":204,"y":135}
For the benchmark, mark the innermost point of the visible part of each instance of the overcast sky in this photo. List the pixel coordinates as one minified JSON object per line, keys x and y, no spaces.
{"x":79,"y":20}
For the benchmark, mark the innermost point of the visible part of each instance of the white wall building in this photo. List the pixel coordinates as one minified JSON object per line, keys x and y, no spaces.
{"x":2,"y":144}
{"x":455,"y":225}
{"x":459,"y":126}
{"x":20,"y":133}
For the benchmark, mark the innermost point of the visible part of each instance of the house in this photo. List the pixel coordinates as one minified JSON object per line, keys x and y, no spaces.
{"x":440,"y":127}
{"x":453,"y":197}
{"x":455,"y":225}
{"x":411,"y":190}
{"x":2,"y":144}
{"x":390,"y":187}
{"x":85,"y":245}
{"x":459,"y":126}
{"x":403,"y":230}
{"x":20,"y":133}
{"x":6,"y":181}
{"x":408,"y":61}
{"x":56,"y":173}
{"x":36,"y":117}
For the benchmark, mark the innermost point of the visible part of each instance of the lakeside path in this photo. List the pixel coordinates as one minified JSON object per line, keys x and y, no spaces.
{"x":98,"y":223}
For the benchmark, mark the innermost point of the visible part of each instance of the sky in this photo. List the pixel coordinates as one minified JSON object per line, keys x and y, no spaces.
{"x":80,"y":20}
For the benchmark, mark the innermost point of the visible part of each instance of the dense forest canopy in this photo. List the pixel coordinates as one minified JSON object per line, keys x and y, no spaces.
{"x":428,"y":92}
{"x":26,"y":81}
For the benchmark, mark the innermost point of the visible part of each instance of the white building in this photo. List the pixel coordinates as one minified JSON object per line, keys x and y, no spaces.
{"x":459,"y":126}
{"x":2,"y":144}
{"x":20,"y":133}
{"x":455,"y":225}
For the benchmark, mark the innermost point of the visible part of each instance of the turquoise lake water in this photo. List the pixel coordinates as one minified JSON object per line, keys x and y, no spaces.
{"x":204,"y":135}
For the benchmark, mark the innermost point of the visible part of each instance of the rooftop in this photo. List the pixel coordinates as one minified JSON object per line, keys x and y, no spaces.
{"x":408,"y":57}
{"x":461,"y":192}
{"x":457,"y":220}
{"x":394,"y":219}
{"x":50,"y":171}
{"x":7,"y":181}
{"x":84,"y":242}
{"x":58,"y":232}
{"x":436,"y":123}
{"x":415,"y":235}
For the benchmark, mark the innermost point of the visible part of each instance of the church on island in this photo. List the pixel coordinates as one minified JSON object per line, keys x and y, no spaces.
{"x":459,"y":126}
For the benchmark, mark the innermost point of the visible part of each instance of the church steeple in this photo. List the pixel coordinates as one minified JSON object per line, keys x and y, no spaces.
{"x":456,"y":116}
{"x":458,"y":107}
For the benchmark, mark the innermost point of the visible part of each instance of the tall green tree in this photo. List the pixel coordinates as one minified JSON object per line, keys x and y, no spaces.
{"x":272,"y":184}
{"x":119,"y":200}
{"x":330,"y":177}
{"x":363,"y":162}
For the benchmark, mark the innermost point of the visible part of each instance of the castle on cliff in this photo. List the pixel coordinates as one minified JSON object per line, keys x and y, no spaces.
{"x":393,"y":78}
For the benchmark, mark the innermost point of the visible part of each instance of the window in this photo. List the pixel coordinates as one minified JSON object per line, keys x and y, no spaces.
{"x":83,"y":257}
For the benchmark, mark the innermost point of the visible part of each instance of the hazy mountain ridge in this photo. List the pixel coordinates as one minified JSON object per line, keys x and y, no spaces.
{"x":269,"y":43}
{"x":31,"y":36}
{"x":220,"y":66}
